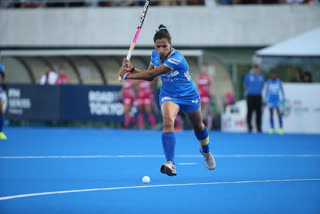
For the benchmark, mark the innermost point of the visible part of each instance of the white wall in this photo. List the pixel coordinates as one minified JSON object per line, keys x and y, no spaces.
{"x":256,"y":25}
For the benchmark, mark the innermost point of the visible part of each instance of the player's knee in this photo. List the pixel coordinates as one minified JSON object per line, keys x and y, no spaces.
{"x":199,"y":127}
{"x":168,"y":123}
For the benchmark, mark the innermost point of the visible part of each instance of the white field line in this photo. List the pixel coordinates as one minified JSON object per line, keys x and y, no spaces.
{"x":159,"y":156}
{"x":150,"y":186}
{"x":187,"y":164}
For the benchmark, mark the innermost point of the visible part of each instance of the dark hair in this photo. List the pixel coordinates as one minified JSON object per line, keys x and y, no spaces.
{"x":308,"y":75}
{"x":273,"y":72}
{"x":49,"y":66}
{"x":161,"y":33}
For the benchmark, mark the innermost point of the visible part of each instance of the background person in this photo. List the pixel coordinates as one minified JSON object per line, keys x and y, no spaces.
{"x":307,"y":77}
{"x":273,"y":91}
{"x":298,"y":76}
{"x":49,"y":77}
{"x":253,"y":85}
{"x":62,"y":78}
{"x":128,"y":94}
{"x":204,"y":81}
{"x":144,"y":99}
{"x":228,"y":99}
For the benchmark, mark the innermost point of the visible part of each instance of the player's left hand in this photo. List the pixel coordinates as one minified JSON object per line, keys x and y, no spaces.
{"x":126,"y":63}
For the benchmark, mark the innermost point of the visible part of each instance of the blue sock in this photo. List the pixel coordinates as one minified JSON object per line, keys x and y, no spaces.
{"x":271,"y":121}
{"x":168,"y":144}
{"x":280,"y":121}
{"x":203,"y":138}
{"x":1,"y":123}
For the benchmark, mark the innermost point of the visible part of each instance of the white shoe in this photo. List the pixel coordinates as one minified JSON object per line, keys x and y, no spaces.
{"x":168,"y":168}
{"x":209,"y":160}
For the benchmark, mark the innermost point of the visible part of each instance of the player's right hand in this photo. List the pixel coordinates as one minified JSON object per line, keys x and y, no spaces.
{"x":122,"y":72}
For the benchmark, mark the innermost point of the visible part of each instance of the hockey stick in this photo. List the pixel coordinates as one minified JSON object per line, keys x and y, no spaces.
{"x":142,"y":17}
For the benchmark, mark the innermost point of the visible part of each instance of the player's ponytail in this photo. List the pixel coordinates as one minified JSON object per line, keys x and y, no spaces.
{"x":161,"y":33}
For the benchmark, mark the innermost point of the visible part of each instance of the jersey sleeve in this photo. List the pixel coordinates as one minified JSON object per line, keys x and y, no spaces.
{"x":153,"y":56}
{"x":245,"y":80}
{"x":173,"y":61}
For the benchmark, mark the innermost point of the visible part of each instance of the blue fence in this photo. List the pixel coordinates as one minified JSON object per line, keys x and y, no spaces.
{"x":63,"y":103}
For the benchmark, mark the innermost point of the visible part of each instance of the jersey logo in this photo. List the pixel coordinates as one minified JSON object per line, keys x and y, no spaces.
{"x":174,"y":61}
{"x":172,"y":73}
{"x":195,"y":101}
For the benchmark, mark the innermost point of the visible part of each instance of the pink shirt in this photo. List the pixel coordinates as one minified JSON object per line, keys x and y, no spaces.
{"x":62,"y":79}
{"x":145,"y":88}
{"x":203,"y":83}
{"x":128,"y":90}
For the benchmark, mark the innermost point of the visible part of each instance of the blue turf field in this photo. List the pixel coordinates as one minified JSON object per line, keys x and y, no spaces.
{"x":100,"y":171}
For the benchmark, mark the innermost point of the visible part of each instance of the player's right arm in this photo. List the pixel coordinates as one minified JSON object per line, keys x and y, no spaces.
{"x":148,"y":74}
{"x":143,"y":74}
{"x":245,"y":84}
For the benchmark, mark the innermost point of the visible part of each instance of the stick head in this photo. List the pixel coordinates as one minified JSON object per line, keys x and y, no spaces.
{"x":144,"y":13}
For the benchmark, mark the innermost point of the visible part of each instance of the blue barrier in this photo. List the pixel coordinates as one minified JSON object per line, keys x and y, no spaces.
{"x":63,"y":103}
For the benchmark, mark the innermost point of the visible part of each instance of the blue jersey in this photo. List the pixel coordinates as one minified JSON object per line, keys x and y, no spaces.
{"x":176,"y":83}
{"x":273,"y":91}
{"x":254,"y":84}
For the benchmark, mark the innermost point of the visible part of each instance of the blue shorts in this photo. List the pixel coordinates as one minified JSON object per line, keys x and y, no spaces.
{"x":274,"y":104}
{"x":187,"y":105}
